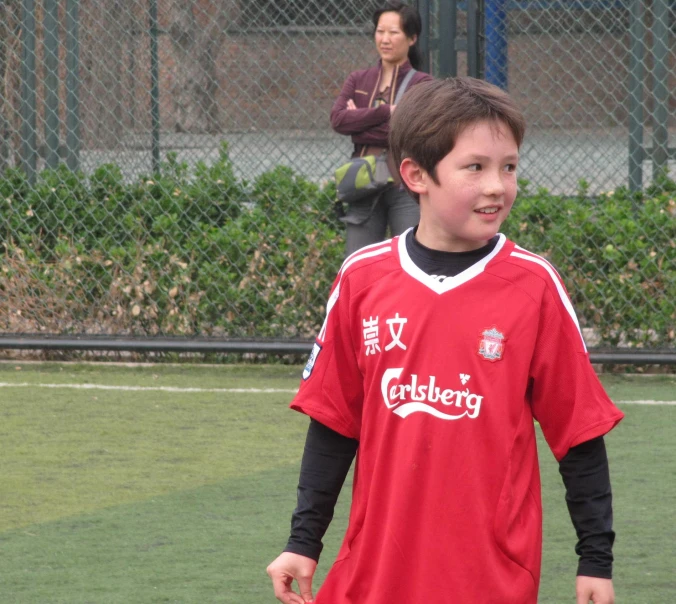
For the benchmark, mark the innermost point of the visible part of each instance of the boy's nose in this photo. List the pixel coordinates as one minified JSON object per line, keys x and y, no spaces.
{"x":493,"y":185}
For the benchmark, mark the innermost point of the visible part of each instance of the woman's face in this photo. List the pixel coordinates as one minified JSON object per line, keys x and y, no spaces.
{"x":391,"y":41}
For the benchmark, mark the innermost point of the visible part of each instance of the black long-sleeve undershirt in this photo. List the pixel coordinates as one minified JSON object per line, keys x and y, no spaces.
{"x":590,"y":504}
{"x":326,"y":461}
{"x":328,"y":455}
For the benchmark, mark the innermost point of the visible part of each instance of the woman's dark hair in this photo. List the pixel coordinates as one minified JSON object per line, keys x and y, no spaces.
{"x":410,"y":23}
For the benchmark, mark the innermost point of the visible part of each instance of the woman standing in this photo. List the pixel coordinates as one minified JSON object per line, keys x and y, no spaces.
{"x":363,"y":110}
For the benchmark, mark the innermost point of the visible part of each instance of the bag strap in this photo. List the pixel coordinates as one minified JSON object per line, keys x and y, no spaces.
{"x":404,"y":84}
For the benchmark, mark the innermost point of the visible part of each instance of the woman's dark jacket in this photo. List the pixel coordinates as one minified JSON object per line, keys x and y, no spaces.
{"x":369,"y":125}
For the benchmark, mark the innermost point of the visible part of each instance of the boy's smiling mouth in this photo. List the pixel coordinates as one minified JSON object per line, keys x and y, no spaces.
{"x":492,"y":210}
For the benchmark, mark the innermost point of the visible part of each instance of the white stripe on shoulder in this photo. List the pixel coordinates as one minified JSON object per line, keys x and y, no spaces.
{"x":368,"y":247}
{"x":530,"y":257}
{"x":369,"y":251}
{"x":525,"y":251}
{"x":366,"y":252}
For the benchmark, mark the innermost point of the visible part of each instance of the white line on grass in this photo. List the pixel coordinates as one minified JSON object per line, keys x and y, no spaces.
{"x":646,"y":402}
{"x":146,"y":388}
{"x":224,"y":390}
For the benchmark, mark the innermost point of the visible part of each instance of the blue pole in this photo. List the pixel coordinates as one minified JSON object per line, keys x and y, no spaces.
{"x":496,"y":42}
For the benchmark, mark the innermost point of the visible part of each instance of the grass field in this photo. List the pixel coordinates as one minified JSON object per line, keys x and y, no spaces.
{"x":176,"y":484}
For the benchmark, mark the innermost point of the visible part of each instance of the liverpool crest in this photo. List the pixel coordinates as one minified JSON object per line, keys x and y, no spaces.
{"x":492,"y":345}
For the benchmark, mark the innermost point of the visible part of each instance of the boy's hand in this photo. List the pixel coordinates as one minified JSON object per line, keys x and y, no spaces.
{"x":287,"y":567}
{"x":594,"y":589}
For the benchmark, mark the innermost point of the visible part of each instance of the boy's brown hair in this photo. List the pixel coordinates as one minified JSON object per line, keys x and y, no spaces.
{"x":432,"y":114}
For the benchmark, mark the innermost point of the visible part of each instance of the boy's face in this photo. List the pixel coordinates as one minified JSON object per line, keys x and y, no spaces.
{"x":475,"y":191}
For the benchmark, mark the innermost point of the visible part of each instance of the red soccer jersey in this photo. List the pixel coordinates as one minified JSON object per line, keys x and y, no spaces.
{"x":440,"y":382}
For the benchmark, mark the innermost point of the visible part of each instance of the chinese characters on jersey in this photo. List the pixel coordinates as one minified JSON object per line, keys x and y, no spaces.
{"x":370,"y":330}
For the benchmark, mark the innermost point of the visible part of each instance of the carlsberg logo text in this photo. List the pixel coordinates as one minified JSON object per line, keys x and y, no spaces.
{"x":413,"y":395}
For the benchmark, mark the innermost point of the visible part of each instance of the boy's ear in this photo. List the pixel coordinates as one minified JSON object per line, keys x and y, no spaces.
{"x":414,"y":176}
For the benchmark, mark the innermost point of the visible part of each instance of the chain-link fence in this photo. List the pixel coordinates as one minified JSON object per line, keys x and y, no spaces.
{"x":166,"y":164}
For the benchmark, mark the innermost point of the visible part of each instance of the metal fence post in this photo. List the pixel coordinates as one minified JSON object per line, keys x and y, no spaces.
{"x":72,"y":85}
{"x":636,"y":150}
{"x":448,"y":26}
{"x":4,"y":123}
{"x":28,"y":92}
{"x":154,"y":88}
{"x":473,"y":15}
{"x":424,"y":41}
{"x":51,"y":45}
{"x":660,"y":92}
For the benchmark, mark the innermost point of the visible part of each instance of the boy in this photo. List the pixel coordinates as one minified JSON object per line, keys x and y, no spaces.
{"x":438,"y":350}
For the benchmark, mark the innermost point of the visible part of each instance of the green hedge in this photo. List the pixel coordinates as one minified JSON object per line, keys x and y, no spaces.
{"x":179,"y":253}
{"x":201,"y":252}
{"x":616,"y":254}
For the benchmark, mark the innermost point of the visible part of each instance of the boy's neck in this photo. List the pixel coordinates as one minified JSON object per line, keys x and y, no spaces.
{"x":442,"y":243}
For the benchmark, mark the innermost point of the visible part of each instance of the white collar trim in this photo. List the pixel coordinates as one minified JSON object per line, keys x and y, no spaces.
{"x":449,"y":283}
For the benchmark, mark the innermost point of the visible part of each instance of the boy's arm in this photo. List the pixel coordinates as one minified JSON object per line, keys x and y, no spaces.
{"x":326,"y":461}
{"x":584,"y":470}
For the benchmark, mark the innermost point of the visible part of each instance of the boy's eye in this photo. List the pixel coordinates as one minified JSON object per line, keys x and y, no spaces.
{"x":510,"y":168}
{"x":474,"y":167}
